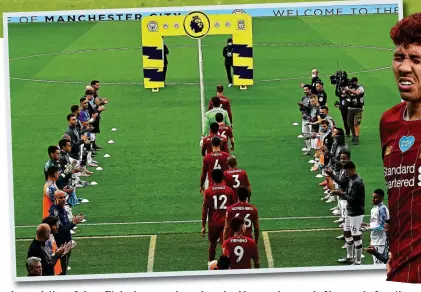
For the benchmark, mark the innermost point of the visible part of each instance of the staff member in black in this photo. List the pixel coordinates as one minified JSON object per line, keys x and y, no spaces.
{"x":355,"y":197}
{"x":227,"y":52}
{"x":314,"y":79}
{"x":166,"y":52}
{"x":321,"y":93}
{"x":355,"y":108}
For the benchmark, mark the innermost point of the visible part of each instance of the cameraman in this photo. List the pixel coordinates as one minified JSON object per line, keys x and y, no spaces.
{"x":355,"y":98}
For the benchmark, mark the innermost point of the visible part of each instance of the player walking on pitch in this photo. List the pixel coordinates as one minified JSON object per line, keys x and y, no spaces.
{"x":217,"y":199}
{"x":400,"y":137}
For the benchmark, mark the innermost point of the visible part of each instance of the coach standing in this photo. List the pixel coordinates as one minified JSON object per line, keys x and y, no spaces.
{"x":166,"y":52}
{"x":227,"y":52}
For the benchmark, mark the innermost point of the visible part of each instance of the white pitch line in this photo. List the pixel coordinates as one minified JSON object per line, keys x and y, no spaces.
{"x":100,"y":237}
{"x":268,"y":249}
{"x":304,"y":230}
{"x":151,"y":255}
{"x":184,"y":221}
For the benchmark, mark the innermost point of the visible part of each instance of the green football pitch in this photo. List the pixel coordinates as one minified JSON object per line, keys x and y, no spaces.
{"x":144,"y":214}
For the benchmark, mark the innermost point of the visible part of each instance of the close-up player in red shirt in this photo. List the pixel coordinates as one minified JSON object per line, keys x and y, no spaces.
{"x":400,"y":134}
{"x":241,"y":249}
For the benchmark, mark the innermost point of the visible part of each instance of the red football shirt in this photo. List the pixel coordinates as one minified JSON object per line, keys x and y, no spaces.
{"x":241,"y":250}
{"x":401,"y":153}
{"x":225,"y":131}
{"x":236,"y":177}
{"x":217,"y":199}
{"x":245,"y":211}
{"x":225,"y":104}
{"x":207,"y":144}
{"x":211,"y":161}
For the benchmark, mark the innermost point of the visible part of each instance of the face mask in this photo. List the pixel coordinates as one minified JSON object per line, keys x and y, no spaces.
{"x":230,"y":44}
{"x":322,"y":116}
{"x":313,"y":75}
{"x":323,"y":130}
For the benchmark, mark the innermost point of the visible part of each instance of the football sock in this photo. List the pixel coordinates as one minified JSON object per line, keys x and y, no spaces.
{"x":349,"y":247}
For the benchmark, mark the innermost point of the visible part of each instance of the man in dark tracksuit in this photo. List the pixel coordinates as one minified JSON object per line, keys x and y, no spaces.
{"x":166,"y":52}
{"x":227,"y":52}
{"x":63,"y":234}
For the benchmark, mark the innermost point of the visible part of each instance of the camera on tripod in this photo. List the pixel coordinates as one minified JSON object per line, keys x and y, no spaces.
{"x":340,"y":79}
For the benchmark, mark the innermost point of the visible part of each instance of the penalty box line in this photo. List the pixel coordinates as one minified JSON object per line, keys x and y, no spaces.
{"x":152,"y":244}
{"x":266,"y":240}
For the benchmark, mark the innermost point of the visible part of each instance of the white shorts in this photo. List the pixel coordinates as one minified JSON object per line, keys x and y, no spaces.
{"x":353,"y":224}
{"x":315,"y":143}
{"x":380,"y":250}
{"x":305,"y":128}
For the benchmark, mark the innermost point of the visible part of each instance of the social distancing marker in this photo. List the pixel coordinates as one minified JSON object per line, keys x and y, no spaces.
{"x":319,"y":176}
{"x":113,"y":129}
{"x":94,"y":183}
{"x":99,"y":168}
{"x":107,"y":155}
{"x":295,"y":124}
{"x":304,"y":149}
{"x":300,"y":136}
{"x":312,"y":161}
{"x":111,"y":142}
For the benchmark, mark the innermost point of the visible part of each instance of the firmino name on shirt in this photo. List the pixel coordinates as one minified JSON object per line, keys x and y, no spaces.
{"x":407,"y":179}
{"x":239,"y":240}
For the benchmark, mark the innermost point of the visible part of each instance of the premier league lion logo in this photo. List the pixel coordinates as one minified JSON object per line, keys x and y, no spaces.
{"x":196,"y":24}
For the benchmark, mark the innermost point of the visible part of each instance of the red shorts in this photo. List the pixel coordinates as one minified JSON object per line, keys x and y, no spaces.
{"x":216,"y":232}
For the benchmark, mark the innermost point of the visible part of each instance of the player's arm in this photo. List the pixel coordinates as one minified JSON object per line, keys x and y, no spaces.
{"x":256,"y":257}
{"x":166,"y":51}
{"x":204,"y":146}
{"x":204,"y":172}
{"x":204,"y":215}
{"x":206,"y":125}
{"x":226,"y":119}
{"x":227,"y":226}
{"x":382,"y":220}
{"x":229,"y":112}
{"x":224,"y":52}
{"x":231,"y":137}
{"x":256,"y":228}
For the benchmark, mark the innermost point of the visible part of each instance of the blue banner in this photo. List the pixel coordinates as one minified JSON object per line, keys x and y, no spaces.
{"x":137,"y":14}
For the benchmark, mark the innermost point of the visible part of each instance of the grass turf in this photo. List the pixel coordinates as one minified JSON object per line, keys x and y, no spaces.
{"x":153,"y":173}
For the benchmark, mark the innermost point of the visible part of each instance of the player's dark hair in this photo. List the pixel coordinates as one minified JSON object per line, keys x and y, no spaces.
{"x":89,"y":92}
{"x":354,"y":79}
{"x":69,"y":116}
{"x":345,"y":152}
{"x":217,"y":175}
{"x":216,"y":102}
{"x":219,"y":117}
{"x":52,"y":170}
{"x":52,"y":149}
{"x":340,"y":131}
{"x":307,"y":85}
{"x":93,"y":82}
{"x":320,"y":82}
{"x":82,"y":99}
{"x":407,"y":31}
{"x":223,"y":263}
{"x":214,"y":127}
{"x":74,"y":108}
{"x":349,"y":165}
{"x":220,"y":88}
{"x":379,"y":192}
{"x":242,"y":193}
{"x":62,"y":143}
{"x":50,"y":220}
{"x":236,"y":224}
{"x":232,"y":161}
{"x":216,"y":141}
{"x":324,"y":108}
{"x":324,"y":122}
